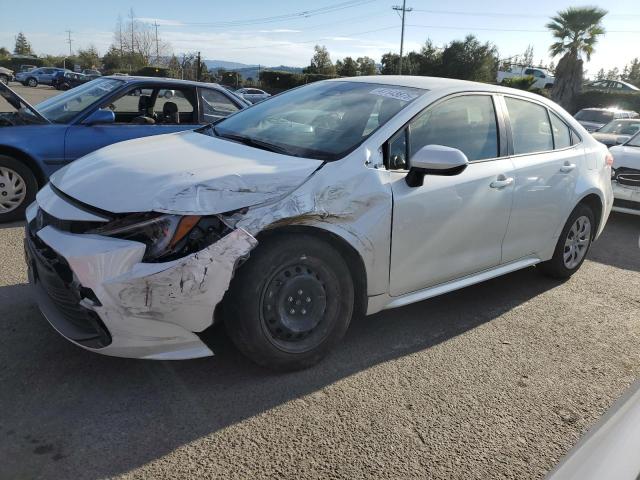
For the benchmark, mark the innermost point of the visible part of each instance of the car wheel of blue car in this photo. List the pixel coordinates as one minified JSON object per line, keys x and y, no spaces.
{"x":18,"y":188}
{"x":32,"y":82}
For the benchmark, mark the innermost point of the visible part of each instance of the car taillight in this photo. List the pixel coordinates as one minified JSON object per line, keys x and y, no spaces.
{"x":608,"y":160}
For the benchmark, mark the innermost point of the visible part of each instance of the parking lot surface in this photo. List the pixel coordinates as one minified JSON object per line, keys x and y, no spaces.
{"x":497,"y":380}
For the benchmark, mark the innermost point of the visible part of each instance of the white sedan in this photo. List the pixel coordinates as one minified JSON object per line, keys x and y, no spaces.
{"x":284,"y":220}
{"x":253,"y":95}
{"x":626,"y":179}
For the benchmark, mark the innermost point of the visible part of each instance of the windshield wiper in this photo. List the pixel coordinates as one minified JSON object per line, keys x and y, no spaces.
{"x":253,"y":142}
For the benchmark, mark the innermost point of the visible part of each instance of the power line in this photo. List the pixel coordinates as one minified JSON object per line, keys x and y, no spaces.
{"x":504,"y":14}
{"x":471,"y":29}
{"x":281,"y":18}
{"x":404,"y":11}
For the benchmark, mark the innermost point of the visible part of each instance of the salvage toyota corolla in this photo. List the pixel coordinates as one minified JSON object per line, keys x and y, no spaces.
{"x":286,"y":219}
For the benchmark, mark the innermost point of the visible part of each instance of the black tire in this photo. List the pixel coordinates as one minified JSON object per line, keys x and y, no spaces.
{"x":4,"y":79}
{"x":30,"y":183}
{"x":265,"y":311}
{"x":32,"y":82}
{"x":557,"y":267}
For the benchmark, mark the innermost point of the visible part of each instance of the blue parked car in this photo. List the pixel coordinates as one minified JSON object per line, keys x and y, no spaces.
{"x":37,"y":76}
{"x":35,"y":141}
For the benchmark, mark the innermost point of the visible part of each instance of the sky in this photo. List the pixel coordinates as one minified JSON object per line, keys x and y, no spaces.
{"x":279,"y":32}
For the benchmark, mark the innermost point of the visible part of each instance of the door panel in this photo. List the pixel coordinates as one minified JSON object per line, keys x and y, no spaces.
{"x":449,"y":227}
{"x":543,"y":198}
{"x":545,"y":179}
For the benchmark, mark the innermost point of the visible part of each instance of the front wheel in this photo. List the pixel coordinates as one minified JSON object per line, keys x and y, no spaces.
{"x":32,"y":82}
{"x":290,"y":303}
{"x":573,"y":244}
{"x":18,"y":188}
{"x":4,"y":79}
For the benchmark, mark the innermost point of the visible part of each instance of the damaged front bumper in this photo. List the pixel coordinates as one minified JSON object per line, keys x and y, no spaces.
{"x":626,"y":198}
{"x":97,"y":292}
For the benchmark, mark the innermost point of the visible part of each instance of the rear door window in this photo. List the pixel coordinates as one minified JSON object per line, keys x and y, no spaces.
{"x":561,"y":132}
{"x":216,"y":105}
{"x":530,"y":126}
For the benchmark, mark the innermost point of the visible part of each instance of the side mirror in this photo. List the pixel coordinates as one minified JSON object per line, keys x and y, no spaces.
{"x":435,"y":160}
{"x":101,"y":116}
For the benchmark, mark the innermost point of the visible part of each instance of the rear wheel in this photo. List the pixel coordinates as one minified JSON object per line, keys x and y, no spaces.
{"x":18,"y":188}
{"x":290,"y":303}
{"x":573,"y":244}
{"x":32,"y":82}
{"x":4,"y":79}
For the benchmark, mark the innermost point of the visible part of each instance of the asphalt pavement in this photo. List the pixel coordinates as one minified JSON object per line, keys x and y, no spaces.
{"x":498,"y":380}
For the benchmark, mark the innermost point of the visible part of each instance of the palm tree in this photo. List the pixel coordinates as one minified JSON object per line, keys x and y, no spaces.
{"x":576,"y":30}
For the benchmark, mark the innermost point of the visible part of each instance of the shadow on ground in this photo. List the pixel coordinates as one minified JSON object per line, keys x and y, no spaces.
{"x":103,"y":416}
{"x":619,"y":245}
{"x":68,"y":413}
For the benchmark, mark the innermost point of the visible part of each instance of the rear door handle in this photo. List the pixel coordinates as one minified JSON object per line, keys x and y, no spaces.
{"x":567,"y":167}
{"x":501,"y":182}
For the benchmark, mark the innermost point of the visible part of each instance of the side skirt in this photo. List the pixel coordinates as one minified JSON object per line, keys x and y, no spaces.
{"x":384,"y":302}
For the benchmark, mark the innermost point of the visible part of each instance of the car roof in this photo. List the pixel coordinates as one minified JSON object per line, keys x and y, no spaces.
{"x":173,"y":81}
{"x":610,"y":109}
{"x":439,"y":84}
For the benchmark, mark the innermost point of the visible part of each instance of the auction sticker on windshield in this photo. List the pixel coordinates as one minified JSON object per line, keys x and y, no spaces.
{"x":396,"y":93}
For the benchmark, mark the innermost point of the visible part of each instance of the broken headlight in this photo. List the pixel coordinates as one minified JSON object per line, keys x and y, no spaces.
{"x":167,"y":237}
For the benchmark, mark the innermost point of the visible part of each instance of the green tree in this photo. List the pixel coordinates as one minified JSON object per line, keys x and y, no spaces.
{"x":632,"y":72}
{"x":321,"y":62}
{"x":576,"y":31}
{"x":89,"y":57}
{"x":366,"y":66}
{"x":22,"y":47}
{"x":601,"y":75}
{"x":613,"y":74}
{"x":347,"y":67}
{"x":469,"y":59}
{"x":389,"y":63}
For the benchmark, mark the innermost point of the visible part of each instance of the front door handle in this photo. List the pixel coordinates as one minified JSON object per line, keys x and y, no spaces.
{"x":567,"y":167}
{"x":501,"y":182}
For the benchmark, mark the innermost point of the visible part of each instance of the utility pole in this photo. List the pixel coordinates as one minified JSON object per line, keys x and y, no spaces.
{"x":198,"y":69}
{"x":404,"y":10}
{"x":155,"y":24}
{"x":69,"y":41}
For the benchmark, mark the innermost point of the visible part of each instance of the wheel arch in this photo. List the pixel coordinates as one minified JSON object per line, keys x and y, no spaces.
{"x":347,"y":250}
{"x":596,"y":204}
{"x":27,"y":160}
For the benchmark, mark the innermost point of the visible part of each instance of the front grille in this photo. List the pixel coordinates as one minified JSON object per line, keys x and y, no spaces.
{"x":52,"y":274}
{"x":617,"y":202}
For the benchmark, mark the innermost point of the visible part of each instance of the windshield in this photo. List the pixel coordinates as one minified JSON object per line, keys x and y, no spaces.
{"x":597,"y":116}
{"x":634,"y":142}
{"x":621,"y":127}
{"x":324,"y":120}
{"x":64,"y":107}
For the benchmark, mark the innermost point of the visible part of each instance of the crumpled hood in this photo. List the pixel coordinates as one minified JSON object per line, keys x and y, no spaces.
{"x":182,"y":173}
{"x":628,"y":157}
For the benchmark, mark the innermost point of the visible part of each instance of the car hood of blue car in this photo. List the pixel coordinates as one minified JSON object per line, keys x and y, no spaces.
{"x":182,"y":173}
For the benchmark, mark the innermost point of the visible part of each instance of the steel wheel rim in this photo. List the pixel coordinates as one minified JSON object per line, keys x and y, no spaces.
{"x":13,"y":190}
{"x":577,"y":242}
{"x":293,"y":308}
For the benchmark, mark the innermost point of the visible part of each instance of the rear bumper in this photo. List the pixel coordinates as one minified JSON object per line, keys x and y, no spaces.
{"x":96,"y":292}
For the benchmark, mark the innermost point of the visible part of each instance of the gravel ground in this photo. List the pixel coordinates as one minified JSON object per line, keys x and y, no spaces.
{"x":498,"y":380}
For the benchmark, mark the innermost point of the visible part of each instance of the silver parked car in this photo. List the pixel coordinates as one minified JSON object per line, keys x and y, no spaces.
{"x":254,"y":95}
{"x":595,"y":118}
{"x":6,"y":75}
{"x":340,"y":197}
{"x":618,"y":131}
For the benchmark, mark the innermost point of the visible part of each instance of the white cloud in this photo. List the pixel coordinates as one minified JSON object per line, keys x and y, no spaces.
{"x":280,"y":30}
{"x":161,"y":21}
